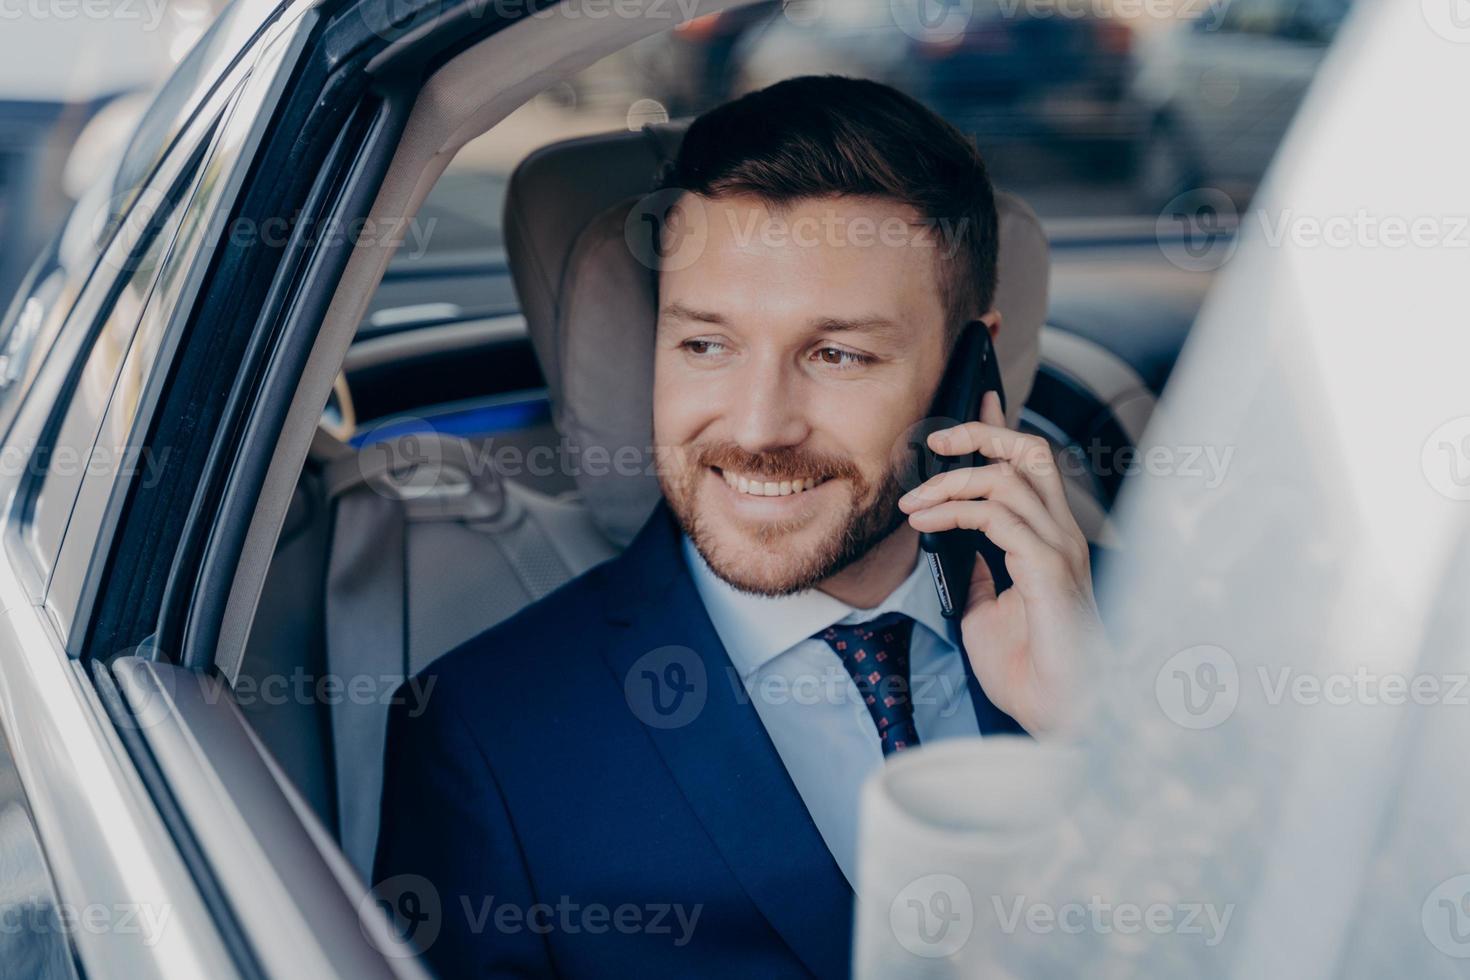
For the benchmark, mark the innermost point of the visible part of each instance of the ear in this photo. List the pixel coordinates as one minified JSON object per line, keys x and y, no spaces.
{"x":992,"y":322}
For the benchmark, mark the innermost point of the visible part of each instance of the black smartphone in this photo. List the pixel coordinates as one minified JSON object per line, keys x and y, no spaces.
{"x":972,"y":371}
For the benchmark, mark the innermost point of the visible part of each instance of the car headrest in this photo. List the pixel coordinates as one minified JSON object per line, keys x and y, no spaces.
{"x":589,"y":304}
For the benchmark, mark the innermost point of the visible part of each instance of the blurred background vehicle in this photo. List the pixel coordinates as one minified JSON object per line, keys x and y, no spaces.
{"x":1221,"y":91}
{"x":698,"y":63}
{"x":1097,"y":113}
{"x":1009,"y":72}
{"x":73,"y":82}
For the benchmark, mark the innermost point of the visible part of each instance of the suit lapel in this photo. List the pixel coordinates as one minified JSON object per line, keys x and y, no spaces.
{"x":718,"y":751}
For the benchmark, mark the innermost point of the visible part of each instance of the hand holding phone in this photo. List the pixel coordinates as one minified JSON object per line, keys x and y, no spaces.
{"x":1028,"y":619}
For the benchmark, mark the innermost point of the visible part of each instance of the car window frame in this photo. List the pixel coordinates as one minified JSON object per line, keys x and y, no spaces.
{"x":173,"y":291}
{"x":247,"y":101}
{"x":44,"y":405}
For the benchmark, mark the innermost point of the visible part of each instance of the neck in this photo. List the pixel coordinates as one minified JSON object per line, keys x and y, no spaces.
{"x":870,"y":579}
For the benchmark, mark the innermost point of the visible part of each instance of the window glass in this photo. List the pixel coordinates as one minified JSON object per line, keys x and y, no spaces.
{"x":166,"y":116}
{"x":69,"y":456}
{"x":1064,"y":100}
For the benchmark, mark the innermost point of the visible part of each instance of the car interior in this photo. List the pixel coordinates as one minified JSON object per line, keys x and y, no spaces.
{"x":416,"y":521}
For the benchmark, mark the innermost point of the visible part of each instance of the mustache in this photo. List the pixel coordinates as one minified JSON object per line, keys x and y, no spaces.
{"x":787,"y":463}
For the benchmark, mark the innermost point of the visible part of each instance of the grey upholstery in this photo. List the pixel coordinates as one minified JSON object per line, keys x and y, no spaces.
{"x":431,"y":547}
{"x":589,"y":302}
{"x":390,"y":557}
{"x":289,"y":636}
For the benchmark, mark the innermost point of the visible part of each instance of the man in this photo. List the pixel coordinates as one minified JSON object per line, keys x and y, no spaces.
{"x":656,"y":768}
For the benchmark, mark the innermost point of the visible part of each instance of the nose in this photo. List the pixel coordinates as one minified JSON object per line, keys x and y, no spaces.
{"x":767,"y":406}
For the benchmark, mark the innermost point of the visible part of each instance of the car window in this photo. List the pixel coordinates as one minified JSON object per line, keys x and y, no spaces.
{"x":166,"y":117}
{"x":69,"y":456}
{"x":56,"y":277}
{"x":1064,"y":100}
{"x":34,"y":923}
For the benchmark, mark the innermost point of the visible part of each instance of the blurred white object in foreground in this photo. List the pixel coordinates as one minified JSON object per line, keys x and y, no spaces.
{"x":940,"y":843}
{"x":1276,"y":786}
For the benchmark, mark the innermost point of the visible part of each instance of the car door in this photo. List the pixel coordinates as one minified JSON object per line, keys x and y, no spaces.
{"x":98,"y":875}
{"x":198,"y":324}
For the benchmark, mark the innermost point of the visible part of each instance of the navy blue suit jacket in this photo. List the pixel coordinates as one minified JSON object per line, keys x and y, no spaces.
{"x":596,"y":757}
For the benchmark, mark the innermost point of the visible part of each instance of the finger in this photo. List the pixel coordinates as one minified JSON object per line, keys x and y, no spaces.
{"x":1002,"y":526}
{"x":995,"y":481}
{"x":990,"y":411}
{"x":1031,"y":455}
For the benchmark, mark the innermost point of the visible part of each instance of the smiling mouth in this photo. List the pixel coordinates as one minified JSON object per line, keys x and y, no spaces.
{"x":756,"y":485}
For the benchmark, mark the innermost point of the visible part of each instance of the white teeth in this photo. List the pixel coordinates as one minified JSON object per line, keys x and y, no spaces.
{"x":768,"y":488}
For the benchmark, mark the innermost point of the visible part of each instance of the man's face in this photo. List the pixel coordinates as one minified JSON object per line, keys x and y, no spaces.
{"x":792,"y":355}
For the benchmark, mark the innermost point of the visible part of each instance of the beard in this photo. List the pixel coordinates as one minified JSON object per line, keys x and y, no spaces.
{"x":871,"y":515}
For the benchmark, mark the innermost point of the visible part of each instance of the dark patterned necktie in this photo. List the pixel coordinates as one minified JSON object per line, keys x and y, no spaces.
{"x":876,"y":655}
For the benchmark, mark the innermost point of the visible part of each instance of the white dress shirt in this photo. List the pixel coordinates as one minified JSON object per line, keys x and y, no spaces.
{"x":810,"y":706}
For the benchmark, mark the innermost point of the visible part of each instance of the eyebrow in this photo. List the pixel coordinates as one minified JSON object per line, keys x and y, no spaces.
{"x":678,"y":311}
{"x":873,"y":324}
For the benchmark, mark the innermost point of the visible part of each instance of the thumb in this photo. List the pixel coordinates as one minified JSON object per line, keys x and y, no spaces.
{"x":990,"y":411}
{"x":982,"y":585}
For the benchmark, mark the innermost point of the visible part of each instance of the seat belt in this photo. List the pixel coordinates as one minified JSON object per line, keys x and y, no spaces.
{"x":384,"y":621}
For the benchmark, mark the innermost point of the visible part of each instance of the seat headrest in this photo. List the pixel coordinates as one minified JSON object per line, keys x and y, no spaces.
{"x":590,"y":307}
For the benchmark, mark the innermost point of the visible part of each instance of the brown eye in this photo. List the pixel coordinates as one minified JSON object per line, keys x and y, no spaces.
{"x":839,"y":358}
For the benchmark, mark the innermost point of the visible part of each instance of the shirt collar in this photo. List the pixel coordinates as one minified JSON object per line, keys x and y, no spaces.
{"x":755,"y":629}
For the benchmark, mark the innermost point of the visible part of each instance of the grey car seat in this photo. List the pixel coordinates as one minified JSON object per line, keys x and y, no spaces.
{"x":429,"y":546}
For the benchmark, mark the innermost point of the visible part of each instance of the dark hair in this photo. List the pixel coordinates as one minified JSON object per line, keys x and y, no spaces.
{"x":823,"y":135}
